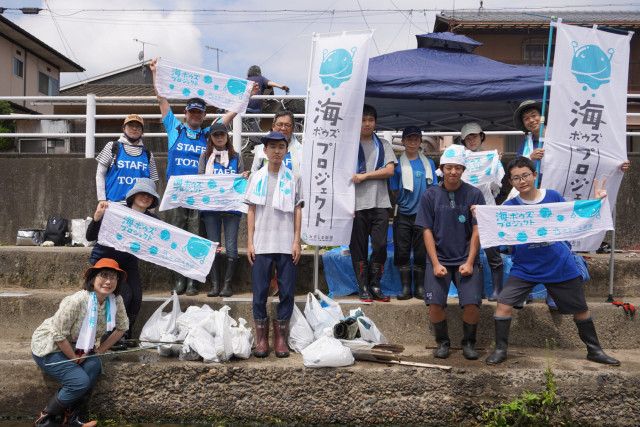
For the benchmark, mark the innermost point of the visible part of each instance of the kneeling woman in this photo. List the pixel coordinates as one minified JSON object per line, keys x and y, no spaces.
{"x":71,"y":333}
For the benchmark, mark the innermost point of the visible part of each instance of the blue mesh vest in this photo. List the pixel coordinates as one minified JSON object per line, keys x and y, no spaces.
{"x":183,"y":156}
{"x":124,"y":172}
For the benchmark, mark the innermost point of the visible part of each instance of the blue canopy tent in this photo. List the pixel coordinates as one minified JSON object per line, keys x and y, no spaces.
{"x":442,"y":85}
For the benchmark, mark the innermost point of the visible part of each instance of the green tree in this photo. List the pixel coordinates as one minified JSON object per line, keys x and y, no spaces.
{"x":6,"y":126}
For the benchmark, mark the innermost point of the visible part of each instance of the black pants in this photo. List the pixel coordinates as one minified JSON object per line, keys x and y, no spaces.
{"x":493,"y":258}
{"x":372,"y":222}
{"x":407,"y":237}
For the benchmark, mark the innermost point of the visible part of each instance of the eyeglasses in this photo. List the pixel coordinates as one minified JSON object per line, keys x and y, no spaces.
{"x":108,"y":275}
{"x":516,"y":179}
{"x":283,"y":125}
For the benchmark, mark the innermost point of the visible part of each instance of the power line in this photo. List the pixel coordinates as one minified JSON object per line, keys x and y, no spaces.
{"x":367,"y":24}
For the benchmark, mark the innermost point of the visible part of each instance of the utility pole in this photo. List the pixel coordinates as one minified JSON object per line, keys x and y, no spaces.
{"x":218,"y":51}
{"x":141,"y":53}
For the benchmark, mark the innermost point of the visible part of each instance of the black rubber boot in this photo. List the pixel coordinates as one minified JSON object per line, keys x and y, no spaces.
{"x":469,"y":341}
{"x":375,"y":274}
{"x":405,"y":279}
{"x":362,"y":276}
{"x":587,"y":332}
{"x":228,"y":277}
{"x":499,"y":354}
{"x":78,"y":415}
{"x":214,"y":278}
{"x":51,"y":415}
{"x":192,"y":288}
{"x":418,"y":282}
{"x":497,"y":278}
{"x":181,"y":285}
{"x":442,"y":339}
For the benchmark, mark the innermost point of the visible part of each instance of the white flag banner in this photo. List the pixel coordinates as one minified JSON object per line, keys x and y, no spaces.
{"x":178,"y":81}
{"x":337,"y":79}
{"x":484,"y":171}
{"x":156,"y":241}
{"x":547,"y":222}
{"x":586,"y":136}
{"x":220,"y":192}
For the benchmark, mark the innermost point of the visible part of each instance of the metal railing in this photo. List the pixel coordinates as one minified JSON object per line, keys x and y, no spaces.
{"x":90,"y":117}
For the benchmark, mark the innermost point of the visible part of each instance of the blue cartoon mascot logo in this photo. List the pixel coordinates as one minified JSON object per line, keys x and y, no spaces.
{"x":591,"y":66}
{"x":336,"y":67}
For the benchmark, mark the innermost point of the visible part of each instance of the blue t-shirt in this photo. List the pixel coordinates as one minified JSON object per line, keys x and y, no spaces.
{"x":448,"y":215}
{"x":550,"y":262}
{"x":185,"y":146}
{"x":255,"y":105}
{"x":408,"y":201}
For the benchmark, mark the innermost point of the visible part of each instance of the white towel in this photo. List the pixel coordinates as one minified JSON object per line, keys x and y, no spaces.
{"x":407,"y":171}
{"x":87,"y":336}
{"x":224,"y":161}
{"x":283,"y":195}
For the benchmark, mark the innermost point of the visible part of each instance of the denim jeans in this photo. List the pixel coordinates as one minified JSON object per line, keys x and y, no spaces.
{"x":77,"y":380}
{"x":214,"y":221}
{"x":261,"y":276}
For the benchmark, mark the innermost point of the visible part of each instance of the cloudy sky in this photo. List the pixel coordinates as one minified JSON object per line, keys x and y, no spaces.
{"x":99,"y":35}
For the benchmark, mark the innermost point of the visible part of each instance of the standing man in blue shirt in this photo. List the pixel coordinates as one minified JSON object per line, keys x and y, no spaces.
{"x":552,"y":264}
{"x":186,"y":142}
{"x":452,"y":242}
{"x":410,"y":180}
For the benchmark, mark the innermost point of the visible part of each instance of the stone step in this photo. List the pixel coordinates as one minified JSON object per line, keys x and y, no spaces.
{"x":402,"y":322}
{"x":62,"y":268}
{"x":145,"y":388}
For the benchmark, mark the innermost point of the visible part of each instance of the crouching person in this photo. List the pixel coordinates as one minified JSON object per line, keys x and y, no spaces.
{"x":71,"y":333}
{"x":274,"y":196}
{"x":550,"y":263}
{"x":452,"y":242}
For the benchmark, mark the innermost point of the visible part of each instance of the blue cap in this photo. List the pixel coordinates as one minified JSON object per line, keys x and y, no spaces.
{"x":275,"y":136}
{"x":411,"y":130}
{"x":196,"y":104}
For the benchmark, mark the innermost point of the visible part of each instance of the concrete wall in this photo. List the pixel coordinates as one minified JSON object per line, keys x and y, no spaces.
{"x":35,"y":187}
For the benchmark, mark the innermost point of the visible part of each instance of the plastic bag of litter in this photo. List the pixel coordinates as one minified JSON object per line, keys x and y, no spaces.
{"x":326,"y":352}
{"x":300,"y":333}
{"x":368,"y":330}
{"x":242,"y":340}
{"x":321,"y":314}
{"x":194,"y":316}
{"x":202,"y":342}
{"x":220,"y":328}
{"x":161,"y":323}
{"x":170,"y":350}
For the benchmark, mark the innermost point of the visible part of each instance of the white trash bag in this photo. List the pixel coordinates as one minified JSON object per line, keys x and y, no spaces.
{"x":321,"y":315}
{"x":194,"y":316}
{"x":79,"y":231}
{"x":161,"y":323}
{"x":242,"y":340}
{"x":368,"y":330}
{"x":326,"y":352}
{"x":300,"y":333}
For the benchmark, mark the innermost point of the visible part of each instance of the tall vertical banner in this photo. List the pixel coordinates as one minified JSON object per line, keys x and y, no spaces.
{"x":586,"y":134}
{"x":337,"y":80}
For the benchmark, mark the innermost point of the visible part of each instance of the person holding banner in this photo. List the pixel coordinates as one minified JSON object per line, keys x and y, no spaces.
{"x":376,"y":163}
{"x":282,"y":122}
{"x":122,"y":162}
{"x":274,"y":196}
{"x":552,"y":264}
{"x":186,"y":143}
{"x":141,"y":198}
{"x":411,"y":178}
{"x":221,"y":158}
{"x":472,"y":138}
{"x":452,"y":242}
{"x":71,"y":333}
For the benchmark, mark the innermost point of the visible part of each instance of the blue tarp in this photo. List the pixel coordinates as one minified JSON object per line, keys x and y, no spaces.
{"x":404,"y":85}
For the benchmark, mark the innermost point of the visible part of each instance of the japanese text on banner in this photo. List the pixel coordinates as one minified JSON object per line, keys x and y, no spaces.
{"x":219,"y":192}
{"x":155,"y":241}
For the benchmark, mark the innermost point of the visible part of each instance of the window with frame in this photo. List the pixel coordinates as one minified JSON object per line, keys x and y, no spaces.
{"x":534,"y":51}
{"x":18,"y":67}
{"x":47,"y":85}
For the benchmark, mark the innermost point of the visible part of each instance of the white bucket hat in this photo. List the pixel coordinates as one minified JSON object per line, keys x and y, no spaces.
{"x":453,"y":155}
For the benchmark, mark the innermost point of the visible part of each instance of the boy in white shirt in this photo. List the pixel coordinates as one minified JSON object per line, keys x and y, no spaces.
{"x":274,"y":196}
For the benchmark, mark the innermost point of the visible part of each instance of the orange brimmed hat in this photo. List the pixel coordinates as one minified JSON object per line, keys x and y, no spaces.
{"x":102,"y":263}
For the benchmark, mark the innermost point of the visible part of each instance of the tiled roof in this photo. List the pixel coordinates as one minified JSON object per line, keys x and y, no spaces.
{"x":625,"y":19}
{"x":109,"y":90}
